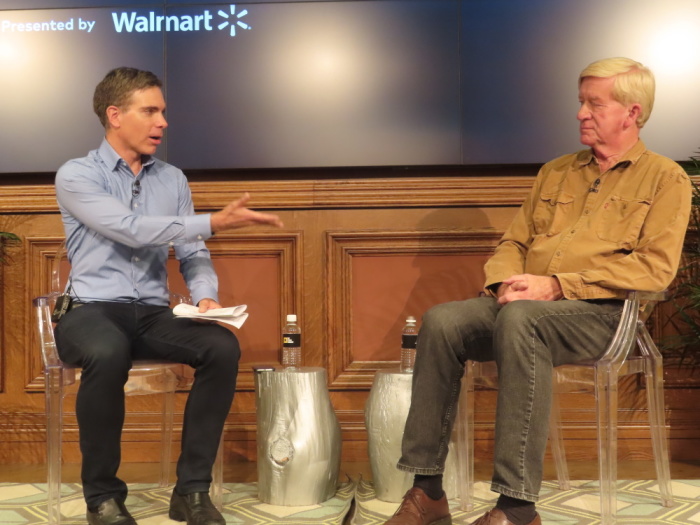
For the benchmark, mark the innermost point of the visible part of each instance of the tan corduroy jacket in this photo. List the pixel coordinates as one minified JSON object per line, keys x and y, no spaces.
{"x":599,"y":234}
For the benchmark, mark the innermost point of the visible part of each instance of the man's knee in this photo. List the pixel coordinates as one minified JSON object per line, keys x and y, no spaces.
{"x":459,"y":315}
{"x":446,"y":315}
{"x":223,"y":350}
{"x":436,"y":317}
{"x":107,"y":364}
{"x":521,"y":313}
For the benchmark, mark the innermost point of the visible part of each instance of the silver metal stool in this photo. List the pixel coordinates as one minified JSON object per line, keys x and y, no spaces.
{"x":385,"y":417}
{"x":298,"y":437}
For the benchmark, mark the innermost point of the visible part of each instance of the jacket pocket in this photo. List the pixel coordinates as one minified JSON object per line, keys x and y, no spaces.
{"x":622,"y":220}
{"x":552,"y":213}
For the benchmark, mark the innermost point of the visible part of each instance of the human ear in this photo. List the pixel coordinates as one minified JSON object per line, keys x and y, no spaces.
{"x":113,"y":115}
{"x":633,"y":113}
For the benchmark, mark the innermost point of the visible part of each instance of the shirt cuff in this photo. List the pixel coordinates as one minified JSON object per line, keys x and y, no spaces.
{"x":198,"y":227}
{"x":204,"y":292}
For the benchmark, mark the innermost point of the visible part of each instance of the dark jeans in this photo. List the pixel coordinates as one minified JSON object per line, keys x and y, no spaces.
{"x":526,"y":339}
{"x":103,"y":338}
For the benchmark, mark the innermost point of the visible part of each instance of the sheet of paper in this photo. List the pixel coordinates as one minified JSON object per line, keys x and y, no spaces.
{"x":234,"y":315}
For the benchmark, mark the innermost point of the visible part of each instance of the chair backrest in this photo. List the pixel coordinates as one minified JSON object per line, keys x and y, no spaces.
{"x":150,"y":377}
{"x":635,"y":312}
{"x":43,"y":307}
{"x":625,"y":336}
{"x":58,"y":278}
{"x":42,"y":310}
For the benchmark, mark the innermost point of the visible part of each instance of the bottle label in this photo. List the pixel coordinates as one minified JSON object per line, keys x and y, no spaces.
{"x":291,"y":340}
{"x":409,"y":341}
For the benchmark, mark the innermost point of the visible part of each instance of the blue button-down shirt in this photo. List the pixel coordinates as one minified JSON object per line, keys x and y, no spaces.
{"x":120,"y":227}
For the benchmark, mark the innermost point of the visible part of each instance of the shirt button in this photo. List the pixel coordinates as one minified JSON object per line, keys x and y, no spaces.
{"x":199,"y":237}
{"x":587,"y":212}
{"x":171,"y":243}
{"x":558,"y":254}
{"x":136,"y":259}
{"x":573,"y":231}
{"x":136,"y":205}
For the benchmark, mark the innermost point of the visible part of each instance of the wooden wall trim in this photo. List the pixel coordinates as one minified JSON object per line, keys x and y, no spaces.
{"x":287,"y":247}
{"x":309,"y":194}
{"x":339,"y":224}
{"x":40,"y":253}
{"x":343,"y":370}
{"x":379,"y":192}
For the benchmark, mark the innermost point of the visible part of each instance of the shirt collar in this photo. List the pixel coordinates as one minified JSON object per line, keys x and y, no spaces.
{"x":111,"y":158}
{"x":585,"y":157}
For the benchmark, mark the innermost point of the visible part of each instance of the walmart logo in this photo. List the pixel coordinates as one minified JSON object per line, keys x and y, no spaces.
{"x":133,"y":23}
{"x":232,"y":24}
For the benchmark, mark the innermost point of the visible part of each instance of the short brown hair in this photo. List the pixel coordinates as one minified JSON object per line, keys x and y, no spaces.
{"x":117,"y":86}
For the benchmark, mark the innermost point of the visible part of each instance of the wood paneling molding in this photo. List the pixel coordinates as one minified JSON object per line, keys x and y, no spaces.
{"x":306,"y":194}
{"x":40,"y":253}
{"x":354,"y":230}
{"x":341,"y":247}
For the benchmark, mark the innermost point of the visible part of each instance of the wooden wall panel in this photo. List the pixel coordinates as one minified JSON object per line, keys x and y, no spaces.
{"x":264,"y":271}
{"x":357,"y":254}
{"x":375,"y":277}
{"x":41,"y":252}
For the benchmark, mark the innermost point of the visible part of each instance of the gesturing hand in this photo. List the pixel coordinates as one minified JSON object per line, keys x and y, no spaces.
{"x":236,"y":215}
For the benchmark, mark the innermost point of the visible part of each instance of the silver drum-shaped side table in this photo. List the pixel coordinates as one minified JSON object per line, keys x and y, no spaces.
{"x":298,"y":437}
{"x":385,"y":417}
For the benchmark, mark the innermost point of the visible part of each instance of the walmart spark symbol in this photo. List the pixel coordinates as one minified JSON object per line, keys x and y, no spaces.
{"x":235,"y":22}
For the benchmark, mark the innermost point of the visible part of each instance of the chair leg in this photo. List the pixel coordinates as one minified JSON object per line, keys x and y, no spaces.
{"x":606,"y":411}
{"x":464,"y":426}
{"x":655,"y":398}
{"x":54,"y":429}
{"x":217,"y":486}
{"x":556,"y":443}
{"x":166,"y":436}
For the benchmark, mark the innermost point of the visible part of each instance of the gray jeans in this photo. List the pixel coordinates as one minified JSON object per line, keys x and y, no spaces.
{"x":526,"y":339}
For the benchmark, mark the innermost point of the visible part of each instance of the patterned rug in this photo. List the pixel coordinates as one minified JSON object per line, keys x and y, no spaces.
{"x":25,"y":504}
{"x":638,"y":504}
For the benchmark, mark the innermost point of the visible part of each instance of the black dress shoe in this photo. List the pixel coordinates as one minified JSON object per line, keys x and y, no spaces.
{"x":110,"y":512}
{"x":195,"y":509}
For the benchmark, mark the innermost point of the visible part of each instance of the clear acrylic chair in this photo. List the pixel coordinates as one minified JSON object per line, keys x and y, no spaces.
{"x":145,"y":377}
{"x":485,"y":375}
{"x":599,"y":376}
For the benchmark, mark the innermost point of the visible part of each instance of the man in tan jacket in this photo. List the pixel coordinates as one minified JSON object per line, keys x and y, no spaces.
{"x":597,"y":223}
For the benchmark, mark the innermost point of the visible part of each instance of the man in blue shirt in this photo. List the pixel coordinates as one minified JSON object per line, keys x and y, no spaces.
{"x":122,"y":211}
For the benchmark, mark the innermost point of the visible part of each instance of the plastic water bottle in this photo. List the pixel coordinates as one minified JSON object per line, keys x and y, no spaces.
{"x":409,"y":337}
{"x":291,"y":343}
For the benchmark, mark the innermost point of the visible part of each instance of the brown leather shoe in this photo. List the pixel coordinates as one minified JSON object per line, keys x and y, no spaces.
{"x":497,"y":517}
{"x":418,"y":509}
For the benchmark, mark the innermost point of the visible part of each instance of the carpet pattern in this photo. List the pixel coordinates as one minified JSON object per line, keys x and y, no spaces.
{"x":638,"y":504}
{"x":25,"y":504}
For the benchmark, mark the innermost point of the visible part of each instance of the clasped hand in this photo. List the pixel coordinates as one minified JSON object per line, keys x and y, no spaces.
{"x":530,"y":287}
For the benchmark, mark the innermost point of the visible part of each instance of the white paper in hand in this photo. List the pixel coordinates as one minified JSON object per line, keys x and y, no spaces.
{"x":234,"y":315}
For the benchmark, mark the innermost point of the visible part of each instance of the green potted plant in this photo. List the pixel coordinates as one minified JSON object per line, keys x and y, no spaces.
{"x":6,"y":237}
{"x":681,"y":345}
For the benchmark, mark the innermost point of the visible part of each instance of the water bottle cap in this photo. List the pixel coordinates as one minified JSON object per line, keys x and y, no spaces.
{"x":410,"y":319}
{"x":291,"y":318}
